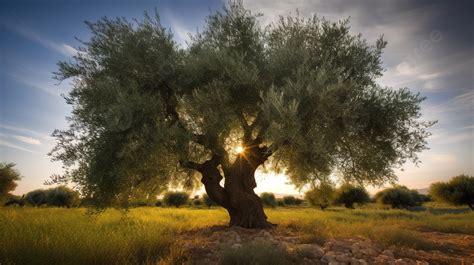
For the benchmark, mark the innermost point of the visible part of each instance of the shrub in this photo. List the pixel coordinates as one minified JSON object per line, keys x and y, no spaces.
{"x":176,"y":199}
{"x":298,"y":201}
{"x":62,"y":197}
{"x":208,"y":201}
{"x":37,"y":197}
{"x":280,"y":203}
{"x":348,"y":195}
{"x":399,"y":197}
{"x":15,"y":200}
{"x":261,"y":253}
{"x":8,"y":177}
{"x":458,"y":191}
{"x":321,"y":196}
{"x":289,"y":200}
{"x":159,"y":203}
{"x":197,"y":202}
{"x":268,"y":199}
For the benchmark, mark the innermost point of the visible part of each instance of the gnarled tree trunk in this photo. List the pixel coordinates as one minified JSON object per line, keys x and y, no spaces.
{"x":237,"y":196}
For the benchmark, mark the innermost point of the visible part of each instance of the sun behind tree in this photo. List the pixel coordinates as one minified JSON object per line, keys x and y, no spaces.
{"x":300,"y":96}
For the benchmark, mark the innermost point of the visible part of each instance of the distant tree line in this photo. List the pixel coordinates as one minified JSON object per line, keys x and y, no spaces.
{"x":457,"y":191}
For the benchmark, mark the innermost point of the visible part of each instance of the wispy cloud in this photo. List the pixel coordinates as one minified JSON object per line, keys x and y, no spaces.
{"x":33,"y":133}
{"x":32,"y":35}
{"x":14,"y":146}
{"x":28,"y":140}
{"x":38,"y":84}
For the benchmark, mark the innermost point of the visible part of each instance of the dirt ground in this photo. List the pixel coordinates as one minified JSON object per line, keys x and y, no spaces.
{"x":204,"y":246}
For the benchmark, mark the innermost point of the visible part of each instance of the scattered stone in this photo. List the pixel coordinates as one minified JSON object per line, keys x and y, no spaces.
{"x":369,"y":252}
{"x":421,"y":262}
{"x":353,"y":251}
{"x":388,"y":252}
{"x":236,"y":246}
{"x":383,"y":259}
{"x":309,"y":251}
{"x":405,"y":261}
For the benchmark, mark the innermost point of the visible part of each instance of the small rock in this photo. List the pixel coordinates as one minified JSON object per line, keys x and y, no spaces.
{"x":355,"y":249}
{"x":387,"y":253}
{"x":343,"y":258}
{"x":309,"y":251}
{"x":383,"y":259}
{"x":327,"y":258}
{"x":307,"y":261}
{"x":236,"y":246}
{"x":340,"y":246}
{"x":405,"y":261}
{"x":266,"y":234}
{"x":369,"y":252}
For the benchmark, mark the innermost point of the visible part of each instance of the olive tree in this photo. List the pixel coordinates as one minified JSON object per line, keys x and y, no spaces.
{"x":176,"y":198}
{"x":8,"y":177}
{"x":300,"y":96}
{"x":399,"y":197}
{"x":348,"y":195}
{"x":321,"y":195}
{"x":268,"y":199}
{"x":458,"y":191}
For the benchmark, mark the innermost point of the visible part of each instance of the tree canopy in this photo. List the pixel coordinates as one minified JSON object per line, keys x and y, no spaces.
{"x":458,"y":191}
{"x":399,"y":197}
{"x":299,"y":95}
{"x":8,"y":177}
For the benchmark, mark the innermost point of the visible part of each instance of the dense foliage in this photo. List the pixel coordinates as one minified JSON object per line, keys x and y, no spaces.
{"x":399,"y":197}
{"x":348,"y":195}
{"x":37,"y":197}
{"x":8,"y":177}
{"x":458,"y":191}
{"x":146,"y":111}
{"x":176,"y":199}
{"x":321,"y":195}
{"x":59,"y":196}
{"x":292,"y":200}
{"x":268,"y":199}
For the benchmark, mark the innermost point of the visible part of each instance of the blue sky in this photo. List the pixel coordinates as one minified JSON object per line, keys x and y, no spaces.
{"x":430,"y":50}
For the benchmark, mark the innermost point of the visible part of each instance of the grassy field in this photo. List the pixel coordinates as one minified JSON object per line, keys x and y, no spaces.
{"x":144,"y":235}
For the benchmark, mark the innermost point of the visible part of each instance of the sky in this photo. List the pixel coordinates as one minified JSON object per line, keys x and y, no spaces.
{"x":430,"y":50}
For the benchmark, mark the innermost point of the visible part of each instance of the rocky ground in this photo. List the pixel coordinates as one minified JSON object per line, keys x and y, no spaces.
{"x":204,"y":246}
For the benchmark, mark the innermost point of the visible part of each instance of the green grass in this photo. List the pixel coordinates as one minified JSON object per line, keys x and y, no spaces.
{"x":144,"y":235}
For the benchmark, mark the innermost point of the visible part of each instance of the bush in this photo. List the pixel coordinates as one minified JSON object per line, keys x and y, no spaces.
{"x":280,"y":203}
{"x":159,"y":203}
{"x":255,"y":253}
{"x":8,"y":177}
{"x":268,"y":199}
{"x":197,"y":202}
{"x":289,"y":200}
{"x":298,"y":201}
{"x":15,"y":200}
{"x":399,"y":197}
{"x":37,"y":197}
{"x":62,"y":197}
{"x":458,"y":191}
{"x":321,"y":196}
{"x":176,"y":199}
{"x":348,"y":195}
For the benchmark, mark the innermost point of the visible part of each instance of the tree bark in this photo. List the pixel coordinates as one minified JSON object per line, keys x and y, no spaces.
{"x":245,"y":208}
